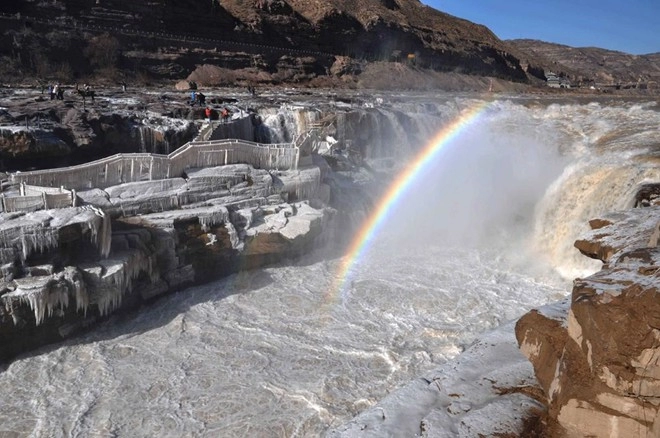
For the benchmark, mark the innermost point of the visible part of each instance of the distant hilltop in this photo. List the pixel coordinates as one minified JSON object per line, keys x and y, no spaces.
{"x":592,"y":64}
{"x":338,"y":43}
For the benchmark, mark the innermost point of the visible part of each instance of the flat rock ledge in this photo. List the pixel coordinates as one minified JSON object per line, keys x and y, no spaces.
{"x":597,"y":357}
{"x":62,"y":270}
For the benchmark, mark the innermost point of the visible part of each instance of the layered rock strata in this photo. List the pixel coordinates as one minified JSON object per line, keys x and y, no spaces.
{"x":63,"y":269}
{"x":597,"y":356}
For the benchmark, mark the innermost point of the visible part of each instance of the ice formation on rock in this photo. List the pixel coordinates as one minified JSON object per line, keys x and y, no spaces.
{"x":299,"y":184}
{"x":22,"y":234}
{"x":113,"y":278}
{"x":38,"y":239}
{"x":213,"y":218}
{"x":101,"y":230}
{"x":45,"y":294}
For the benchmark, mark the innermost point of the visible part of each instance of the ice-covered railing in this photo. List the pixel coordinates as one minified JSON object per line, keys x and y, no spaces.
{"x":124,"y":168}
{"x":206,"y":132}
{"x":33,"y":198}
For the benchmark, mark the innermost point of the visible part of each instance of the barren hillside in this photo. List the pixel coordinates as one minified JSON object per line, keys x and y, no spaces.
{"x":259,"y":41}
{"x":591,"y":63}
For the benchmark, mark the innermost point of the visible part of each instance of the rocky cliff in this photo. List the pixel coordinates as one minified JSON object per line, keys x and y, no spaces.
{"x":592,"y":65}
{"x":257,"y":41}
{"x":597,"y":356}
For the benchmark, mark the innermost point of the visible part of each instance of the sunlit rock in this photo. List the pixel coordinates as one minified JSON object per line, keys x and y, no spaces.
{"x":598,"y":360}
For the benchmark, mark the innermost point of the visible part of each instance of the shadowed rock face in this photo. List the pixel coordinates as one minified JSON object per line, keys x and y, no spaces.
{"x":597,"y":357}
{"x":271,"y":32}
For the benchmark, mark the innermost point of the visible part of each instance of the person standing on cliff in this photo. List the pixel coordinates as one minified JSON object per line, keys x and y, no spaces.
{"x":89,"y":92}
{"x":201,"y":99}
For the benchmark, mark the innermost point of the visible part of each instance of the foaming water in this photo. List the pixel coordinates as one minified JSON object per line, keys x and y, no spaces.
{"x":262,"y":354}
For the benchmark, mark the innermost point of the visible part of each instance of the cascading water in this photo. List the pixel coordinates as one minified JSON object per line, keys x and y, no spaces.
{"x":283,"y":124}
{"x":282,"y":351}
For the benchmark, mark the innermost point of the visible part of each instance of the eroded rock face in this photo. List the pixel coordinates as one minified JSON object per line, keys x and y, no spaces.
{"x":597,"y":357}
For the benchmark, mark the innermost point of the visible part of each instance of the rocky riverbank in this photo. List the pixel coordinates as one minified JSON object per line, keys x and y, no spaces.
{"x":597,"y":356}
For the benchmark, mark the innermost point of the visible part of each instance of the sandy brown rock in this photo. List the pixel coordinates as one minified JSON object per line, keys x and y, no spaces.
{"x":599,"y":362}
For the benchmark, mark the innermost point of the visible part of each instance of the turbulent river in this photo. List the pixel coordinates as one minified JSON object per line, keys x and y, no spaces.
{"x":482,"y":235}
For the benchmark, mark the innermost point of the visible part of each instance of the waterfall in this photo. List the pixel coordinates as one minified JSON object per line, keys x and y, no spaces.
{"x":282,"y":125}
{"x":152,"y":141}
{"x":583,"y":192}
{"x":609,"y":149}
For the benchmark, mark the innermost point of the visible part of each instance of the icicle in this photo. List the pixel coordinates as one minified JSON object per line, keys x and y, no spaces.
{"x":233,"y":236}
{"x":101,"y":230}
{"x":75,"y":281}
{"x":208,"y":220}
{"x":109,"y":301}
{"x":119,"y":277}
{"x":43,"y":295}
{"x":38,"y":239}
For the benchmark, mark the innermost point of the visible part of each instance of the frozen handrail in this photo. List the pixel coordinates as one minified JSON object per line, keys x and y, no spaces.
{"x":33,"y":198}
{"x":123,"y":168}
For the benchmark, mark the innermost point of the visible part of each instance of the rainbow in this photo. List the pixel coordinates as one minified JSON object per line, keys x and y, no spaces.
{"x":395,"y":192}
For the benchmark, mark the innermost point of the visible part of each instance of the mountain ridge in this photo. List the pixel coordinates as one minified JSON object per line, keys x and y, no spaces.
{"x":592,"y":64}
{"x":318,"y":43}
{"x":351,"y":32}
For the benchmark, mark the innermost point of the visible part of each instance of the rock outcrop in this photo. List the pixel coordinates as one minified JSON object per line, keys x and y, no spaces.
{"x":36,"y":132}
{"x":64,"y":269}
{"x":597,"y":355}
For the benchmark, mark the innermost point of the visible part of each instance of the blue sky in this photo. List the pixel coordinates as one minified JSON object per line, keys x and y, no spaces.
{"x":631,"y":26}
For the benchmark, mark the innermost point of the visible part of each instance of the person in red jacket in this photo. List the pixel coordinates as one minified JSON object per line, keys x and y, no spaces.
{"x":208,"y":113}
{"x":225,"y":115}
